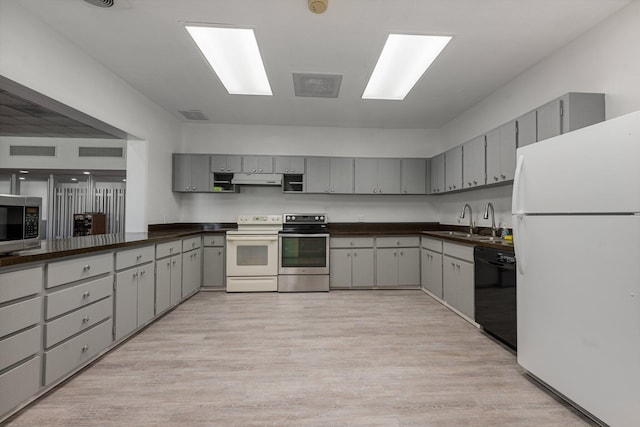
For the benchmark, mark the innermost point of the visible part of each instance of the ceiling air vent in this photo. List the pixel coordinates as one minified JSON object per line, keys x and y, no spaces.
{"x":193,"y":115}
{"x":100,"y":3}
{"x":100,"y":152}
{"x":32,"y":150}
{"x":317,"y":85}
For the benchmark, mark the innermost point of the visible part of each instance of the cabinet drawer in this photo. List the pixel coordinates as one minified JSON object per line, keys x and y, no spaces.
{"x":76,"y":269}
{"x":18,"y":384}
{"x":351,"y":242}
{"x":77,"y":351}
{"x":65,"y":326}
{"x":458,"y":251}
{"x":213,"y":240}
{"x":398,"y":242}
{"x":133,"y":257}
{"x":192,"y":243}
{"x":168,"y":249}
{"x":431,"y":244}
{"x":20,"y":315}
{"x":20,"y":283}
{"x":20,"y":346}
{"x":60,"y":302}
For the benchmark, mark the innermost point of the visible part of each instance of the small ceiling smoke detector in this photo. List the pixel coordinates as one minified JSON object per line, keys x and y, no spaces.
{"x":318,"y":6}
{"x":100,"y":3}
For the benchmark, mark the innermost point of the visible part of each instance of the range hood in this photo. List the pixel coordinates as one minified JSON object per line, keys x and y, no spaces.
{"x":257,"y":179}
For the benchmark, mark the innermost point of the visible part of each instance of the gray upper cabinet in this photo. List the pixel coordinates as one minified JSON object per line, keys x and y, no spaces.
{"x":329,"y":175}
{"x":257,"y":164}
{"x":567,"y":113}
{"x":414,"y":176}
{"x":501,"y":153}
{"x":226,"y":163}
{"x":473,"y":163}
{"x":527,"y":129}
{"x":453,"y":169}
{"x":377,"y":176}
{"x":549,"y":120}
{"x":191,"y":173}
{"x":289,"y":164}
{"x":437,"y":174}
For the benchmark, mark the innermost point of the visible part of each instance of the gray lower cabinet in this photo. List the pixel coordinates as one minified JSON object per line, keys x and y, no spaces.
{"x":431,"y":266}
{"x":168,"y":275}
{"x":213,"y":262}
{"x":191,"y":265}
{"x":352,"y":262}
{"x":78,"y":314}
{"x":457,"y":276}
{"x":134,"y":289}
{"x":20,"y":336}
{"x":397,"y":261}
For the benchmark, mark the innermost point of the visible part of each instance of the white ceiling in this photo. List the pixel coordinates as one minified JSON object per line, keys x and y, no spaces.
{"x":145,"y":43}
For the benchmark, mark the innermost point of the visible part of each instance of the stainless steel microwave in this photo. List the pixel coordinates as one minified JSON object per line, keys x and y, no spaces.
{"x":19,"y":222}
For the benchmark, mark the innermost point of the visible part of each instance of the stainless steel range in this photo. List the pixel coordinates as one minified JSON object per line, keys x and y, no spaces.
{"x":304,"y":253}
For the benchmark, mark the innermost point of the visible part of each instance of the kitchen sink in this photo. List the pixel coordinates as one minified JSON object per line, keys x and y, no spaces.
{"x":473,"y":237}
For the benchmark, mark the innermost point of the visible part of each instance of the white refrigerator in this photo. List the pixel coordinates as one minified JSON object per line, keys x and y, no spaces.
{"x":576,"y":223}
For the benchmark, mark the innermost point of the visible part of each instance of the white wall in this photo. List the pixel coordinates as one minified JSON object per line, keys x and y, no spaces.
{"x":606,"y":59}
{"x":39,"y":58}
{"x":311,"y":141}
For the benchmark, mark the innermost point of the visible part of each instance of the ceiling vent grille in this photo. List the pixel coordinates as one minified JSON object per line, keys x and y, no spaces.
{"x":100,"y":152}
{"x":193,"y":114}
{"x":32,"y":150}
{"x":100,"y":3}
{"x":317,"y":85}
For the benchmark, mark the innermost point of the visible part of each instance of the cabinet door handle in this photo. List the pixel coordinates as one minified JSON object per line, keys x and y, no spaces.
{"x":174,"y":262}
{"x":87,"y":294}
{"x":260,"y":169}
{"x":475,"y":182}
{"x":395,"y":254}
{"x":401,"y":252}
{"x":503,"y":176}
{"x":495,"y":178}
{"x":195,"y":188}
{"x":135,"y":275}
{"x":293,"y":170}
{"x":374,"y":191}
{"x":254,"y":170}
{"x":348,"y":254}
{"x":333,"y":190}
{"x":142,"y":272}
{"x":85,"y":348}
{"x":219,"y":252}
{"x":86,"y":267}
{"x":469,"y":183}
{"x":355,"y":254}
{"x":286,"y":170}
{"x":326,"y":190}
{"x":85,"y":319}
{"x":380,"y":190}
{"x":454,"y":186}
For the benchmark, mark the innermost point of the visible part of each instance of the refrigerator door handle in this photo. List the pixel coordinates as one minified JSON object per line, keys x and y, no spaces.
{"x":515,"y":204}
{"x":517,"y":242}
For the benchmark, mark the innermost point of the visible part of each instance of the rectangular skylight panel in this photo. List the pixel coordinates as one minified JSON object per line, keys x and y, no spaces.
{"x":234,"y":56}
{"x":403,"y":60}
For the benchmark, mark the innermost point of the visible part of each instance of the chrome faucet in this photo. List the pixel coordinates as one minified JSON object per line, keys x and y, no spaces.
{"x":464,"y":209}
{"x":493,"y":218}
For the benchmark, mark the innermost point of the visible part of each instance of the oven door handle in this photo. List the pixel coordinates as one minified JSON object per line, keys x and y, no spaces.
{"x":252,"y":238}
{"x":304,"y":235}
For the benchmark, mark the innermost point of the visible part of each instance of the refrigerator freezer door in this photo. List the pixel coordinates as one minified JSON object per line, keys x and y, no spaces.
{"x":590,"y":170}
{"x":578,"y":310}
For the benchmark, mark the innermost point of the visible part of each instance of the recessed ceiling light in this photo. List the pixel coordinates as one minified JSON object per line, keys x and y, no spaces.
{"x":234,"y":55}
{"x":86,"y":173}
{"x":24,"y":171}
{"x":403,"y":60}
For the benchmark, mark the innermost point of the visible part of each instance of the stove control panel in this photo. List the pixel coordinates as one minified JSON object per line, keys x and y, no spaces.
{"x":259,"y":219}
{"x":305,"y":218}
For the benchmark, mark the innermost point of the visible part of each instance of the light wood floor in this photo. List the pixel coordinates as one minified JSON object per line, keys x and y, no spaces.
{"x":344,"y":358}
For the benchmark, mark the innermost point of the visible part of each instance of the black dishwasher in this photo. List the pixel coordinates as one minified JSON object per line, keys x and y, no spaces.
{"x":495,"y":293}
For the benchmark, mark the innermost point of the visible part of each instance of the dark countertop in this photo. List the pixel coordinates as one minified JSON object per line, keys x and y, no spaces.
{"x":58,"y":248}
